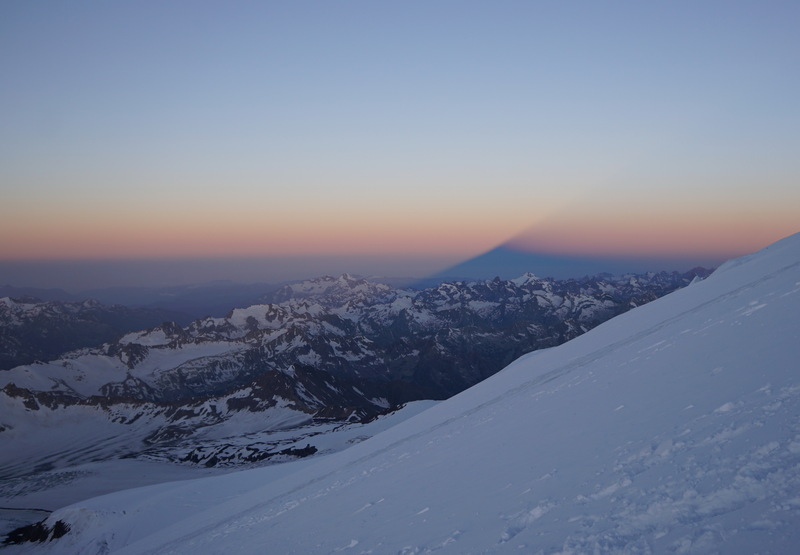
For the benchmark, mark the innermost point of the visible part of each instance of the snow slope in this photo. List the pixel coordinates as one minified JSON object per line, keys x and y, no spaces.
{"x":672,"y":428}
{"x":60,"y":486}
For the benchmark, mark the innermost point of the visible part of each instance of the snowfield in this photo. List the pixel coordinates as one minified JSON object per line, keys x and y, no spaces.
{"x":673,"y":428}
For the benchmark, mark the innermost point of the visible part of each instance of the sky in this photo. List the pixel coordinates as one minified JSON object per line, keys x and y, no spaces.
{"x":393,"y":137}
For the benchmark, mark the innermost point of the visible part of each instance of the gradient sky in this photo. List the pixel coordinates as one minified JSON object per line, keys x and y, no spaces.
{"x":426,"y":132}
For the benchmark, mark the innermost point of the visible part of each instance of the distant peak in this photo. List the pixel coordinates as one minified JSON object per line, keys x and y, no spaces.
{"x":527,"y":277}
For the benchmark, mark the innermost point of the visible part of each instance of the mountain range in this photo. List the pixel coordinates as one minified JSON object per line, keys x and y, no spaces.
{"x":671,"y":428}
{"x":311,"y":355}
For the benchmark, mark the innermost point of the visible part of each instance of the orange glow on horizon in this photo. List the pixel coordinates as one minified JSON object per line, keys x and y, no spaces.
{"x":123,"y":238}
{"x":637,"y":227}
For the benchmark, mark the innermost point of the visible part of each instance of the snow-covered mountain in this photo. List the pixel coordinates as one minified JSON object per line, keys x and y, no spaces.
{"x":32,"y":329}
{"x":672,"y":428}
{"x":330,"y":349}
{"x":441,"y":340}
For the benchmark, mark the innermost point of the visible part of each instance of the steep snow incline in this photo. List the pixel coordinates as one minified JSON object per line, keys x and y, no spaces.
{"x":672,"y":428}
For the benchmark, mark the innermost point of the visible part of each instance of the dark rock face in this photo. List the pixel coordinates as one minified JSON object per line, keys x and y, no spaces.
{"x":235,"y":454}
{"x":38,"y":532}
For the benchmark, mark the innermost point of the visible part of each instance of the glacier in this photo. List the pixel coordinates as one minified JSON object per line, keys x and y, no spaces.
{"x":673,"y":428}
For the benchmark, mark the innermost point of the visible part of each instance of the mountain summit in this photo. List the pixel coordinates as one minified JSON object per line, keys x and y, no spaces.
{"x":674,"y":427}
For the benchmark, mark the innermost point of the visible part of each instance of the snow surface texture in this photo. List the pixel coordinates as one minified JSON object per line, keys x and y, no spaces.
{"x":672,"y":428}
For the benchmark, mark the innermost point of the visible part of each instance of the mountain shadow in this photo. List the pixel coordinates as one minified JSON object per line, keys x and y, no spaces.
{"x":507,"y":262}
